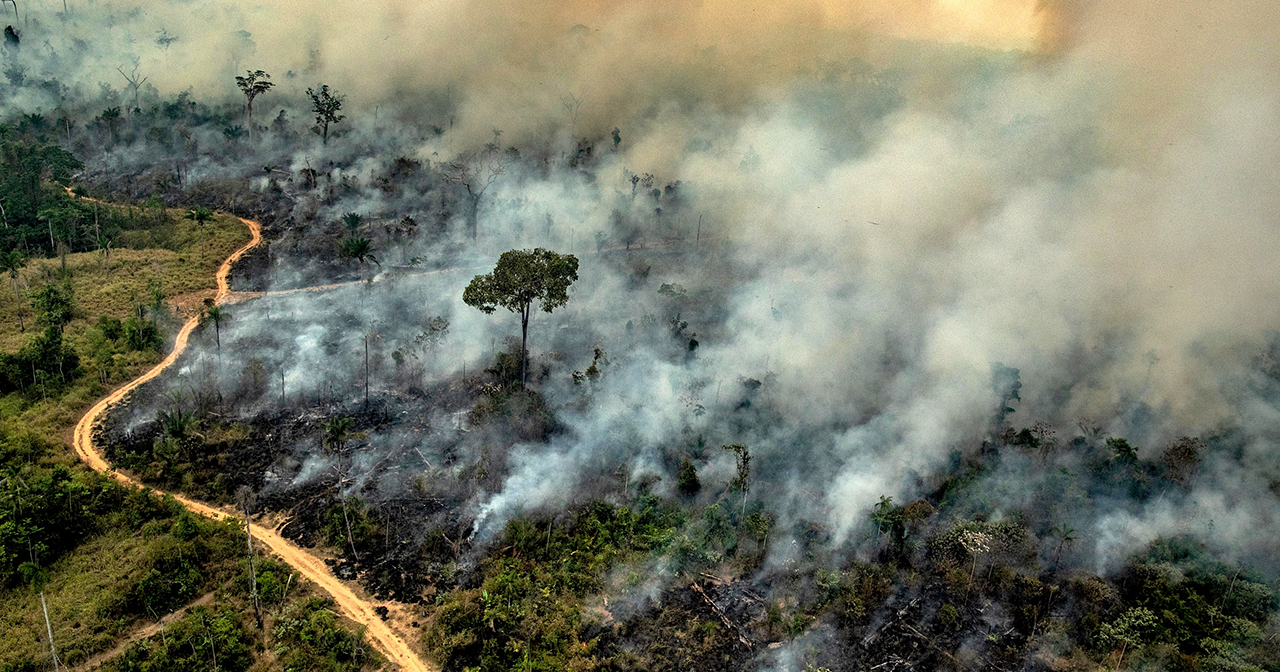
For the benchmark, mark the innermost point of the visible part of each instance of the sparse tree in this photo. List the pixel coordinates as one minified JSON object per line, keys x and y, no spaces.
{"x":12,"y":262}
{"x":743,"y":480}
{"x":476,"y":172}
{"x":135,"y":82}
{"x":325,"y":104}
{"x":1066,"y":535}
{"x":336,"y":434}
{"x":246,"y":500}
{"x":54,"y":305}
{"x":520,"y":278}
{"x":253,"y":84}
{"x":110,"y":116}
{"x":214,"y":312}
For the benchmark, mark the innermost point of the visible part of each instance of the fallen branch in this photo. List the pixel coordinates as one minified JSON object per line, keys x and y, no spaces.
{"x":871,"y":637}
{"x":725,"y":619}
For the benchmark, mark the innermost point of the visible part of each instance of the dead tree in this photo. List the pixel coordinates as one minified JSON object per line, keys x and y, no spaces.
{"x":134,"y":82}
{"x":476,"y":172}
{"x":245,"y":498}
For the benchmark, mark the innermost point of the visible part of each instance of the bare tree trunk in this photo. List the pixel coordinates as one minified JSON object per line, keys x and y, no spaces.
{"x":346,"y":518}
{"x":253,"y":574}
{"x":49,"y":628}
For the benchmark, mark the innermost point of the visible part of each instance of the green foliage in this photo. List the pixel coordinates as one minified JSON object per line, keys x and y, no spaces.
{"x":1178,"y":595}
{"x":522,"y":277}
{"x":526,"y":612}
{"x":309,"y":638}
{"x":34,"y":211}
{"x":203,"y":640}
{"x":359,"y":249}
{"x":42,"y":366}
{"x":54,"y":304}
{"x":45,"y":513}
{"x":687,"y":479}
{"x":365,"y":532}
{"x":325,"y":105}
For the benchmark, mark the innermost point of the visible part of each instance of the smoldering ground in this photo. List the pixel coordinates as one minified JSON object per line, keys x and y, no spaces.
{"x":859,"y":227}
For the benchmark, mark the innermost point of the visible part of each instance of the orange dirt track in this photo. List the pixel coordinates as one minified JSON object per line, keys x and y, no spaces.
{"x":310,"y":566}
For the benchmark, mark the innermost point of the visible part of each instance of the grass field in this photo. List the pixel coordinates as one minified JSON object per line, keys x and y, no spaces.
{"x":114,"y":284}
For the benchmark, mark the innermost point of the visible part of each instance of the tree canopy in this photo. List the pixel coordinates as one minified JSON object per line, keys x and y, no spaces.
{"x":521,"y":278}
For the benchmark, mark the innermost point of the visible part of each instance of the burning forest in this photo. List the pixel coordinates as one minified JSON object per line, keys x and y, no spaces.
{"x":643,"y":336}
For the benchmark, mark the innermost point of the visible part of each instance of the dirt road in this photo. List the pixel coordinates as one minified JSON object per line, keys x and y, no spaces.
{"x":307,"y":564}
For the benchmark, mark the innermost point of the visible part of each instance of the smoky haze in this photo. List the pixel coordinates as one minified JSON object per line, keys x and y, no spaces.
{"x":892,"y":199}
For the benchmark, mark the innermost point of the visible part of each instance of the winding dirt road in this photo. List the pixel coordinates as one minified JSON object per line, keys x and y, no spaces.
{"x":310,"y":566}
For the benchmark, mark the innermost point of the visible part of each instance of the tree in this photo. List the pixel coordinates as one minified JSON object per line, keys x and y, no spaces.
{"x":246,"y":500}
{"x":687,"y":478}
{"x":743,"y":480}
{"x":214,"y":312}
{"x":336,"y":434}
{"x":135,"y":83}
{"x":12,"y":262}
{"x":254,"y":83}
{"x":476,"y":172}
{"x":360,"y":249}
{"x":54,"y":305}
{"x":200,"y":215}
{"x":325,"y":104}
{"x":520,"y":278}
{"x":353,"y":220}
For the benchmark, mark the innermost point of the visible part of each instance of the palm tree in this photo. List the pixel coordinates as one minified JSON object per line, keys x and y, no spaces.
{"x":336,"y":434}
{"x":353,"y":221}
{"x":214,"y":312}
{"x":199,"y":215}
{"x":360,"y":249}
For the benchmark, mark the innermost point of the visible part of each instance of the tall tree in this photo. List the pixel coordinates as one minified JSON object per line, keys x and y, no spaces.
{"x":476,"y":172}
{"x":12,"y":262}
{"x":135,"y":83}
{"x":520,"y":278}
{"x":254,"y":83}
{"x":214,"y":312}
{"x":246,"y":500}
{"x":54,"y":305}
{"x":325,"y":104}
{"x":336,"y":434}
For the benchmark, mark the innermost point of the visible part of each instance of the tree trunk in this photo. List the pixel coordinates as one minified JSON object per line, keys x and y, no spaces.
{"x":49,"y":628}
{"x":473,"y":217}
{"x":524,"y":338}
{"x":253,"y":574}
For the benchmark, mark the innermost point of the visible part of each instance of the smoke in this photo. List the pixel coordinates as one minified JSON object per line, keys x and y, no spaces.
{"x":883,"y":200}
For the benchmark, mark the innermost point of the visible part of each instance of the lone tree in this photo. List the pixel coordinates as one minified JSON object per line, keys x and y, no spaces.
{"x":520,"y":278}
{"x":253,"y":83}
{"x":215,"y":313}
{"x":336,"y":434}
{"x":325,"y":104}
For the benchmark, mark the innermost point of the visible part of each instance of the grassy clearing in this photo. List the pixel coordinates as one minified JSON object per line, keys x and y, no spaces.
{"x":93,"y":592}
{"x":114,"y":285}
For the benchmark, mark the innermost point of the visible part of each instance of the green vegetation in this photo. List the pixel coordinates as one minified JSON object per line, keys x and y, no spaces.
{"x":520,"y":278}
{"x":108,"y":556}
{"x":309,"y":638}
{"x":526,"y":613}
